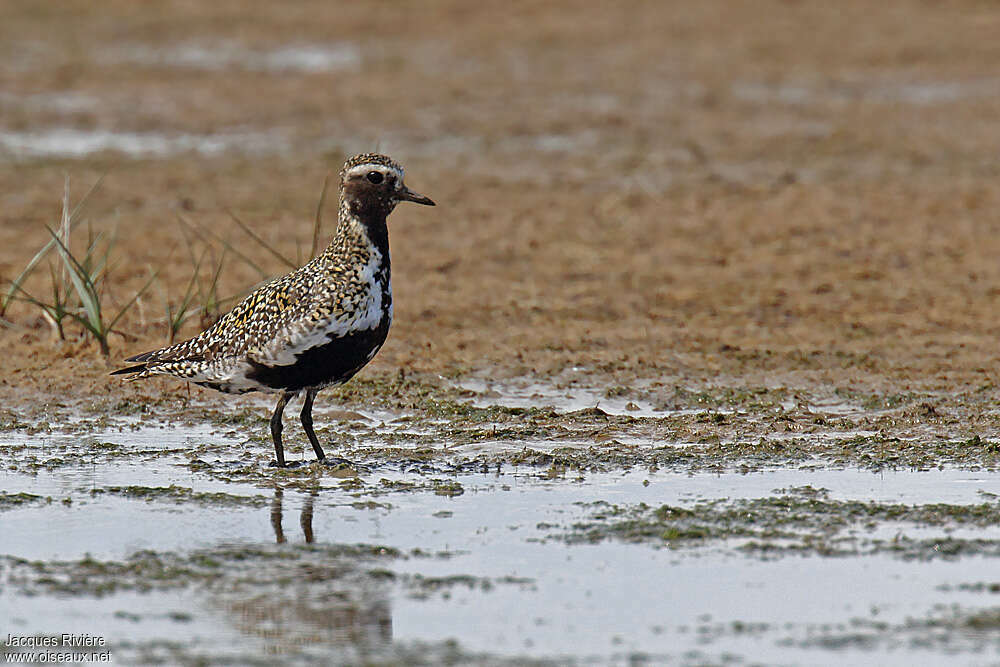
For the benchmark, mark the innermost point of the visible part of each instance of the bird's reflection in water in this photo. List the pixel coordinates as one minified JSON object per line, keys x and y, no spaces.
{"x":325,"y":598}
{"x":305,"y":518}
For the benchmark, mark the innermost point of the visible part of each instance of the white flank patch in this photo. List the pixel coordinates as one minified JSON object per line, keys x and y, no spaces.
{"x":237,"y":380}
{"x":302,"y":337}
{"x":230,"y":374}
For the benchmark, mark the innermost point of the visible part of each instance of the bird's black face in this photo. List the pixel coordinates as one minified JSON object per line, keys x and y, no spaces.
{"x":376,"y":187}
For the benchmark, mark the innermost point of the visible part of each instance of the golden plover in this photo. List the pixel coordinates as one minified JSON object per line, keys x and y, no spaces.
{"x":313,"y":328}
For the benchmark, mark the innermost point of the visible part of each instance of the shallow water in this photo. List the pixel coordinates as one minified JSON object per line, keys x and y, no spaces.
{"x":75,"y":143}
{"x":498,"y":568}
{"x":308,"y":58}
{"x":526,"y":394}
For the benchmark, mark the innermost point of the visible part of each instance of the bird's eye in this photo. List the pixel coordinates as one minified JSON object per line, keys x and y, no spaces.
{"x":375,"y":177}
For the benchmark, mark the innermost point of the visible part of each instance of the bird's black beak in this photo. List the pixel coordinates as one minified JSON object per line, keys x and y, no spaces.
{"x":407,"y":194}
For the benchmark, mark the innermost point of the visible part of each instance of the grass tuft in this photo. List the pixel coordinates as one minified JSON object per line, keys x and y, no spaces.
{"x":77,"y":282}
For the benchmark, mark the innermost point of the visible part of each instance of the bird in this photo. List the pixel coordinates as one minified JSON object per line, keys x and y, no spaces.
{"x":313,"y":328}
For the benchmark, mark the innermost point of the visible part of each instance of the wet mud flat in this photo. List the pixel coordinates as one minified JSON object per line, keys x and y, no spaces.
{"x":473,"y":530}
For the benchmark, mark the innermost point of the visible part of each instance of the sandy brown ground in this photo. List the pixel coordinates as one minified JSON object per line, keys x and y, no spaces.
{"x":694,"y":193}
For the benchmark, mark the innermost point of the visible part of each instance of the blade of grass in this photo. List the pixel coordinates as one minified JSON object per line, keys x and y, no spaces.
{"x":206,"y":233}
{"x":184,"y":311}
{"x":52,"y":313}
{"x":74,"y":214}
{"x":16,"y":283}
{"x":318,"y":221}
{"x":64,"y":222}
{"x":85,"y":291}
{"x":73,"y":220}
{"x":264,"y":244}
{"x":210,"y":303}
{"x":135,"y":297}
{"x":58,"y":308}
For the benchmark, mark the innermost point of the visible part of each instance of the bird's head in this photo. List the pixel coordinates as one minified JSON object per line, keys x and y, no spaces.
{"x":373,"y":184}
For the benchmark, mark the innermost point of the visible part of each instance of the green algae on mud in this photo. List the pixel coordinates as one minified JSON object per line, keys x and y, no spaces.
{"x":180,"y":494}
{"x":12,"y":500}
{"x":945,"y":628}
{"x":426,"y":418}
{"x":239,"y":569}
{"x":798,"y":520}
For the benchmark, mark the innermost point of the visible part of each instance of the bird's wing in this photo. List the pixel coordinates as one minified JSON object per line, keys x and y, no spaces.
{"x":251,"y":324}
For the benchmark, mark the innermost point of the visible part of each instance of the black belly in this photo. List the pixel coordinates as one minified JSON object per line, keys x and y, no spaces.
{"x":331,"y":363}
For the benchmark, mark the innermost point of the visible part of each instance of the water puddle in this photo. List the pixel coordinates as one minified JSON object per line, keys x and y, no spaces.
{"x":145,"y":539}
{"x":309,"y":58}
{"x":66,"y":102}
{"x":886,"y":91}
{"x":644,"y":401}
{"x":74,"y":143}
{"x":528,"y":394}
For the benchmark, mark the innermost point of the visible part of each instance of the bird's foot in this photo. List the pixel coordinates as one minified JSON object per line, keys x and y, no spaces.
{"x":287,"y":464}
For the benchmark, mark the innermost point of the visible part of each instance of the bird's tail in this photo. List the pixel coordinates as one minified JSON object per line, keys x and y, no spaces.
{"x":136,"y":372}
{"x":148,"y":361}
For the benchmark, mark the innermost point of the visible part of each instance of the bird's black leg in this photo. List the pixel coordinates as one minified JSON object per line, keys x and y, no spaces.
{"x":307,"y":422}
{"x":279,"y":451}
{"x":307,"y":425}
{"x":279,"y":534}
{"x":306,"y":519}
